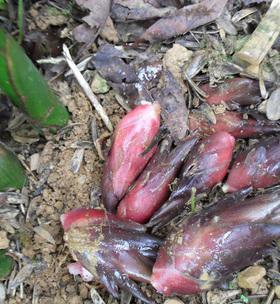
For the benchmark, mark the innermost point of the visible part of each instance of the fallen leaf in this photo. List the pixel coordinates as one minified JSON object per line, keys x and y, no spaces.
{"x":109,"y":32}
{"x":109,"y":63}
{"x":249,"y":2}
{"x":94,"y":21}
{"x":221,"y":296}
{"x":22,"y":275}
{"x":45,"y":16}
{"x":196,"y":63}
{"x":187,"y":18}
{"x":174,"y":111}
{"x":43,"y":233}
{"x":12,"y":198}
{"x":137,"y":10}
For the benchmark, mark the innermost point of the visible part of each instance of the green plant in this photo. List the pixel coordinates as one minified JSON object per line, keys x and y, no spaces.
{"x":2,"y":4}
{"x":12,"y":174}
{"x":20,"y":20}
{"x":26,"y":87}
{"x":6,"y":264}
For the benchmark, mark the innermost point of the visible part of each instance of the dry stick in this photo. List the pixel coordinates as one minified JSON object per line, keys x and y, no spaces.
{"x":86,"y":88}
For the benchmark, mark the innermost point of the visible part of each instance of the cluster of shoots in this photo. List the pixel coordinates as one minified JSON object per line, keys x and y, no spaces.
{"x":117,"y":246}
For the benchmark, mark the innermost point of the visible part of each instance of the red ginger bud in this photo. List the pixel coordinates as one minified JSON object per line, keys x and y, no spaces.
{"x":152,"y":187}
{"x":125,"y":161}
{"x":233,"y":92}
{"x":112,"y":250}
{"x":207,"y":247}
{"x":258,"y":167}
{"x":233,"y":123}
{"x":206,"y":167}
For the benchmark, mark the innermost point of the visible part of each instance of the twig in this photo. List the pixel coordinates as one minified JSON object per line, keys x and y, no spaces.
{"x":86,"y":88}
{"x":270,"y":296}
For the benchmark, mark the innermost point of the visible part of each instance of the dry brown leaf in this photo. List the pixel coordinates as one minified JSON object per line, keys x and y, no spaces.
{"x":45,"y":16}
{"x":109,"y":32}
{"x":94,"y":21}
{"x":187,"y":18}
{"x":129,"y":10}
{"x":43,"y":233}
{"x":173,"y":105}
{"x":221,"y":296}
{"x":22,"y":275}
{"x":109,"y":63}
{"x":13,"y":198}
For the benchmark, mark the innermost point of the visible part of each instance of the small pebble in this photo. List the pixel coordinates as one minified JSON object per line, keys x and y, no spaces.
{"x":99,"y":85}
{"x":250,"y":277}
{"x":273,"y":105}
{"x":173,"y":301}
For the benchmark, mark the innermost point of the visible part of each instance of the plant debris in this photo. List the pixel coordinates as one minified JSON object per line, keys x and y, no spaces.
{"x":184,"y":20}
{"x":94,"y":22}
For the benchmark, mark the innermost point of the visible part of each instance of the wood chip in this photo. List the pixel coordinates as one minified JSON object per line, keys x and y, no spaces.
{"x":95,"y":297}
{"x":262,"y":39}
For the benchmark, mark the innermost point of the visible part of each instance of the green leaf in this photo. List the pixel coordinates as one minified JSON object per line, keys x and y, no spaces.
{"x":2,"y":4}
{"x":12,"y":174}
{"x":26,"y":87}
{"x":6,"y":264}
